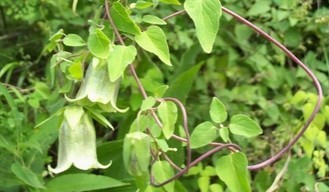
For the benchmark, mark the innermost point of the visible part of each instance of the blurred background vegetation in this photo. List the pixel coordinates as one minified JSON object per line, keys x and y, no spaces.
{"x":245,"y":71}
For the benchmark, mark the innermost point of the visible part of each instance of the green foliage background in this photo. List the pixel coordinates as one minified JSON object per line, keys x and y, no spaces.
{"x":248,"y":74}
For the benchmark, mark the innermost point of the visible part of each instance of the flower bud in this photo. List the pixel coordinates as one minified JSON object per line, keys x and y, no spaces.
{"x":136,"y":153}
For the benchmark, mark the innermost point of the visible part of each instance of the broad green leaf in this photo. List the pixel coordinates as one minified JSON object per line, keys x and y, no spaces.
{"x":203,"y":134}
{"x":81,"y":182}
{"x":205,"y":15}
{"x":73,"y":40}
{"x":217,"y":111}
{"x":203,"y":183}
{"x":244,"y":126}
{"x":232,"y":169}
{"x":168,"y":116}
{"x":224,"y":134}
{"x":161,"y":171}
{"x":99,"y":44}
{"x":122,"y":19}
{"x":180,"y":86}
{"x":173,"y":2}
{"x":120,"y":57}
{"x":153,"y":20}
{"x":76,"y":70}
{"x":26,"y":175}
{"x":141,"y":5}
{"x":154,"y":40}
{"x":140,"y":123}
{"x":148,"y":103}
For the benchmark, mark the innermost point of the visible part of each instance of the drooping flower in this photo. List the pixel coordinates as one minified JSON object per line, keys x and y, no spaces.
{"x":97,"y":88}
{"x":77,"y":142}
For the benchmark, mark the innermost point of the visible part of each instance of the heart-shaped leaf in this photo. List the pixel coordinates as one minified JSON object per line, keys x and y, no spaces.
{"x":244,"y":126}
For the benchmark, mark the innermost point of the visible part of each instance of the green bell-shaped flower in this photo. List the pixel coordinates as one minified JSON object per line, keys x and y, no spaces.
{"x":97,"y":88}
{"x":77,"y":142}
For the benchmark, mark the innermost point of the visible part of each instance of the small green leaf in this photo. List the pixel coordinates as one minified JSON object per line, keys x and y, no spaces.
{"x":162,"y":171}
{"x":154,"y":40}
{"x":232,"y":169}
{"x":203,"y":134}
{"x":173,"y":2}
{"x":122,"y":19}
{"x":217,"y":111}
{"x":224,"y":134}
{"x":205,"y":15}
{"x":98,"y":44}
{"x":168,"y":115}
{"x":73,"y":40}
{"x":81,"y":182}
{"x":76,"y":70}
{"x":153,"y":20}
{"x":120,"y":57}
{"x":141,"y":5}
{"x":26,"y":175}
{"x":148,"y":103}
{"x":244,"y":126}
{"x":99,"y":117}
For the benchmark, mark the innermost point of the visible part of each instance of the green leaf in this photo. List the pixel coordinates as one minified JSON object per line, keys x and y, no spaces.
{"x":26,"y":175}
{"x":154,"y":40}
{"x":73,"y":40}
{"x":232,"y":169}
{"x":205,"y":15}
{"x":76,"y":70}
{"x":153,"y":20}
{"x":148,"y":103}
{"x":260,"y":7}
{"x":120,"y":57}
{"x":168,"y":116}
{"x":141,"y":5}
{"x":122,"y":19}
{"x":217,"y":111}
{"x":173,"y":2}
{"x":224,"y":134}
{"x":181,"y":86}
{"x":244,"y":126}
{"x":81,"y":182}
{"x":99,"y":117}
{"x":203,"y":134}
{"x":98,"y":44}
{"x":161,"y":170}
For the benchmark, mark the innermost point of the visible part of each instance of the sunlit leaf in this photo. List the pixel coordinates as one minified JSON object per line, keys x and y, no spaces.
{"x":154,"y":41}
{"x":153,"y":20}
{"x":168,"y":116}
{"x":203,"y":134}
{"x":73,"y":40}
{"x":162,"y":171}
{"x":232,"y":169}
{"x":122,"y":19}
{"x":244,"y":126}
{"x":120,"y":57}
{"x":98,"y":44}
{"x":173,"y":2}
{"x":205,"y":15}
{"x":217,"y":111}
